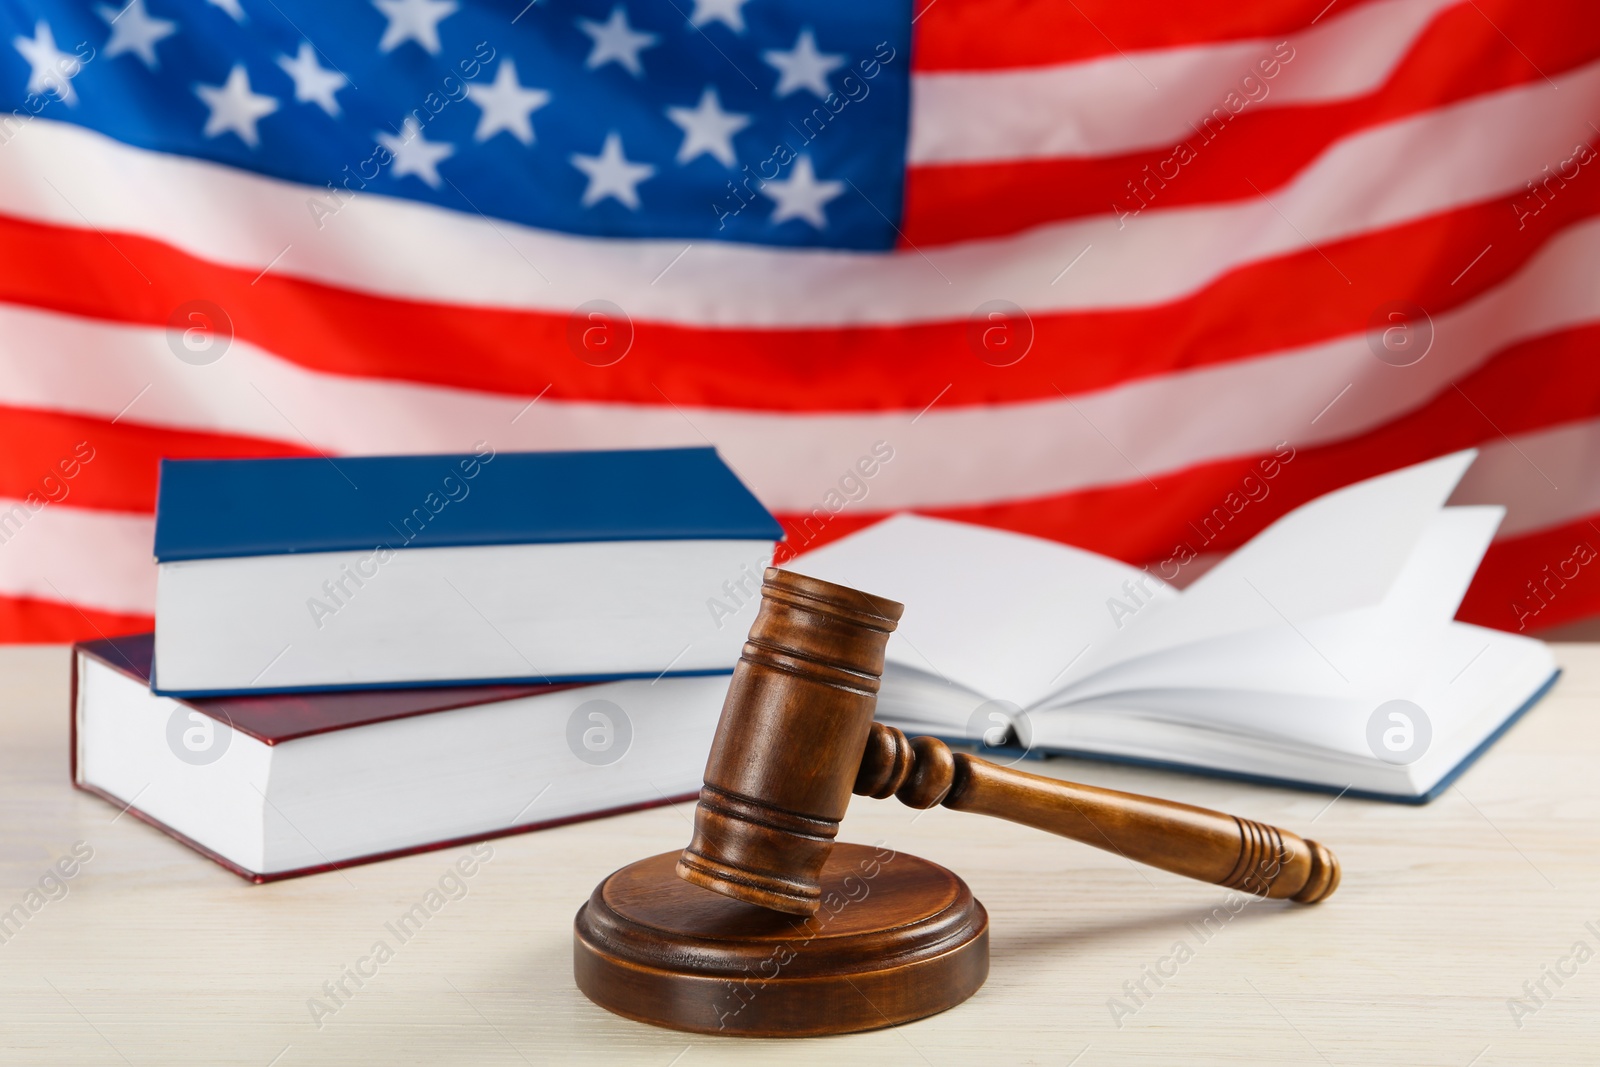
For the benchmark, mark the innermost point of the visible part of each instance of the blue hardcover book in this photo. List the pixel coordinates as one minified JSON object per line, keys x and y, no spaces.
{"x":278,"y":575}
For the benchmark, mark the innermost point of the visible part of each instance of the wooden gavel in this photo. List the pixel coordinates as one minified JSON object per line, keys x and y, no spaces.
{"x":796,"y":738}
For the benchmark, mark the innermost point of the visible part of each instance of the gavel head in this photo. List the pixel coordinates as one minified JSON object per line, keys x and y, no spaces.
{"x":793,"y":730}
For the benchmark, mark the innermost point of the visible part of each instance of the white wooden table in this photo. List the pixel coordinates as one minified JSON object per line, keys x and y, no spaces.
{"x":156,"y":956}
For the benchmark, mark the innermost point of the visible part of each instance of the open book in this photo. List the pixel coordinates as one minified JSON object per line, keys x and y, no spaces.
{"x":1322,"y":654}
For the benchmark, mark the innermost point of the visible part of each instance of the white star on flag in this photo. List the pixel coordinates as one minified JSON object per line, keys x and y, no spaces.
{"x":133,"y":30}
{"x":615,"y":40}
{"x":507,"y":104}
{"x":232,"y":7}
{"x":801,"y":196}
{"x":234,"y":107}
{"x":803,"y":67}
{"x":50,"y":70}
{"x":313,"y":83}
{"x":413,"y":154}
{"x":707,"y":129}
{"x":610,"y":174}
{"x":414,"y":20}
{"x":728,"y":12}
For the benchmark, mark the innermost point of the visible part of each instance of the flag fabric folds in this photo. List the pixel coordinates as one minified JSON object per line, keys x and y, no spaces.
{"x":1086,"y":271}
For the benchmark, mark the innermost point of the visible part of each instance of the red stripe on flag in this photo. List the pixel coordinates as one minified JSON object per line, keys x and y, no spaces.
{"x":37,"y":448}
{"x":1545,"y":381}
{"x":1274,"y":304}
{"x":1257,"y":151}
{"x":991,"y":34}
{"x":43,"y":622}
{"x":1199,"y":511}
{"x":1537,"y":582}
{"x":1530,"y":386}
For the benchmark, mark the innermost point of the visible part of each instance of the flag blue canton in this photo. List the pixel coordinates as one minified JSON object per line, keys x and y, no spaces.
{"x":771,"y":121}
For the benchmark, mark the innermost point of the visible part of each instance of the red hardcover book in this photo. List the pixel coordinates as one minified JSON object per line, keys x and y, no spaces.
{"x":275,"y":786}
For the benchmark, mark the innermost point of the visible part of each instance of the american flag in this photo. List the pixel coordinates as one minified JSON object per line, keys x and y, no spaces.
{"x":1084,"y":269}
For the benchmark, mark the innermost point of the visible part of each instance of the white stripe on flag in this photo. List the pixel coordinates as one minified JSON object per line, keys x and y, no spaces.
{"x":95,"y":559}
{"x":1546,"y":479}
{"x":945,"y":456}
{"x":101,"y":559}
{"x":1384,"y":176}
{"x":1122,"y":103}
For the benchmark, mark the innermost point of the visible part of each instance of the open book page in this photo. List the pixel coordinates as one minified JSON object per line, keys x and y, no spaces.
{"x":1350,"y":605}
{"x":1466,"y":684}
{"x":991,"y":612}
{"x":1339,"y":552}
{"x":1360,"y":658}
{"x":922,"y":703}
{"x":1429,"y":588}
{"x":1296,"y":702}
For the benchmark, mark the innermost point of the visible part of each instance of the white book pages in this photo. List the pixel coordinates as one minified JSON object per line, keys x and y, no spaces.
{"x":994,"y":612}
{"x":1435,"y":577}
{"x":1272,"y":664}
{"x":1313,"y":685}
{"x":460,"y":613}
{"x":1339,"y":552}
{"x":397,"y":784}
{"x":1466,"y":684}
{"x":1359,"y":655}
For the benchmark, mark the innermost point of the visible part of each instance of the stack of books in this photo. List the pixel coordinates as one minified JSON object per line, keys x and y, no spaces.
{"x":360,"y":658}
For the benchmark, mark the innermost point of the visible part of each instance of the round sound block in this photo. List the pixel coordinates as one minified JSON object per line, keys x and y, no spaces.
{"x":897,"y":939}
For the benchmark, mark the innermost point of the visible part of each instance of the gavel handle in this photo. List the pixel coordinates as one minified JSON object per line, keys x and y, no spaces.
{"x":1194,"y":842}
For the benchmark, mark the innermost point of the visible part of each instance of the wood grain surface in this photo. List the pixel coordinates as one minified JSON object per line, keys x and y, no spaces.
{"x":1194,"y":842}
{"x":897,"y":938}
{"x":1444,"y":944}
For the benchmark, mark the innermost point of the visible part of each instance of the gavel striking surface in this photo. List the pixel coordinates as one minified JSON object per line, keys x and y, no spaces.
{"x":896,"y":938}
